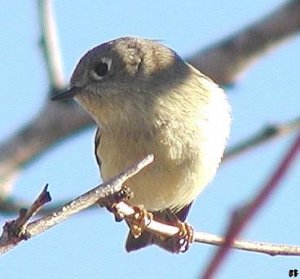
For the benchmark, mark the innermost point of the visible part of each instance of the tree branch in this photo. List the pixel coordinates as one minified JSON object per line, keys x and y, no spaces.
{"x":206,"y":238}
{"x":250,"y":246}
{"x":18,"y":230}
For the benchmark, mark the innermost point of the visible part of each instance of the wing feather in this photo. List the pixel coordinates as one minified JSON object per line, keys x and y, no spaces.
{"x":97,"y":143}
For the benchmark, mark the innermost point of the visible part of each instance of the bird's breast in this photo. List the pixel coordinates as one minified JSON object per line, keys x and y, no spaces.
{"x":181,"y":168}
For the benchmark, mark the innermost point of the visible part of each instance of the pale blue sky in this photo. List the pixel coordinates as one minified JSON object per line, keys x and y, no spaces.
{"x":91,"y":245}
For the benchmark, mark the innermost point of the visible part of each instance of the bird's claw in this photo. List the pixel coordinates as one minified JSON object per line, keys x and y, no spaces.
{"x":180,"y":242}
{"x":185,"y":236}
{"x":140,"y":220}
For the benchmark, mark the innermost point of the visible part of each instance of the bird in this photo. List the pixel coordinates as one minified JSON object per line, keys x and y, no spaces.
{"x":145,"y":99}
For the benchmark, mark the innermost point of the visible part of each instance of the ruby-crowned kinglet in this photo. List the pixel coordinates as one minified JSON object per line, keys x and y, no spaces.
{"x":146,"y":99}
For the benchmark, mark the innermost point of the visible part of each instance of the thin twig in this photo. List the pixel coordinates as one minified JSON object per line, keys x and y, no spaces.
{"x":84,"y":201}
{"x":250,"y":246}
{"x":27,"y":214}
{"x":16,"y":230}
{"x":242,"y":216}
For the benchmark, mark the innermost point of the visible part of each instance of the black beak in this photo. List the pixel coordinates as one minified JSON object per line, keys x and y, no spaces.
{"x":70,"y":93}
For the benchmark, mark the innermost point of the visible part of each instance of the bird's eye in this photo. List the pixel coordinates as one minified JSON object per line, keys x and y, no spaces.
{"x":101,"y":69}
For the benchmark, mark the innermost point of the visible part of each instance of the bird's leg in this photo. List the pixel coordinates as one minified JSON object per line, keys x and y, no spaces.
{"x":140,"y":220}
{"x":111,"y":200}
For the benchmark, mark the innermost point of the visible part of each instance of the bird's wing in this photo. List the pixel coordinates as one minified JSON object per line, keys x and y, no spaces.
{"x":97,"y":143}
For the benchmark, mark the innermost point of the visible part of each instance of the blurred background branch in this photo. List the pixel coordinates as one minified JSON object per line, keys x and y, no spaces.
{"x":50,"y":46}
{"x":223,"y":62}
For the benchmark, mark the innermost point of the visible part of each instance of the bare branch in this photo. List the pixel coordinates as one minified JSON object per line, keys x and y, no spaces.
{"x":225,"y":61}
{"x":27,"y":214}
{"x":16,"y":231}
{"x":242,"y":216}
{"x":206,"y":238}
{"x":50,"y":46}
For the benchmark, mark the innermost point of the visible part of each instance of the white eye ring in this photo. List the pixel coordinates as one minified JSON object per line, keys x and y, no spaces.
{"x":101,"y":69}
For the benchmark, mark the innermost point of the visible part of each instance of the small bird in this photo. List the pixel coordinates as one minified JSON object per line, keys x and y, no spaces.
{"x":146,"y":99}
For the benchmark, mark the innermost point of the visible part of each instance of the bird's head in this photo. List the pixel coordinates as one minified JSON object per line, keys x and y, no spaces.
{"x":115,"y":78}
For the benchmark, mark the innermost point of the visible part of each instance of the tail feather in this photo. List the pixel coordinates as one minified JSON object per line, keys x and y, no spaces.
{"x":133,"y":244}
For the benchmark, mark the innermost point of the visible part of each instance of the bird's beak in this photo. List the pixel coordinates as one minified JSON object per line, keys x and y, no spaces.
{"x":70,"y":93}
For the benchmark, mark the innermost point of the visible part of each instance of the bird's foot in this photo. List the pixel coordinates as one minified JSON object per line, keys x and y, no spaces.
{"x":184,"y":237}
{"x":180,"y":242}
{"x":140,"y":220}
